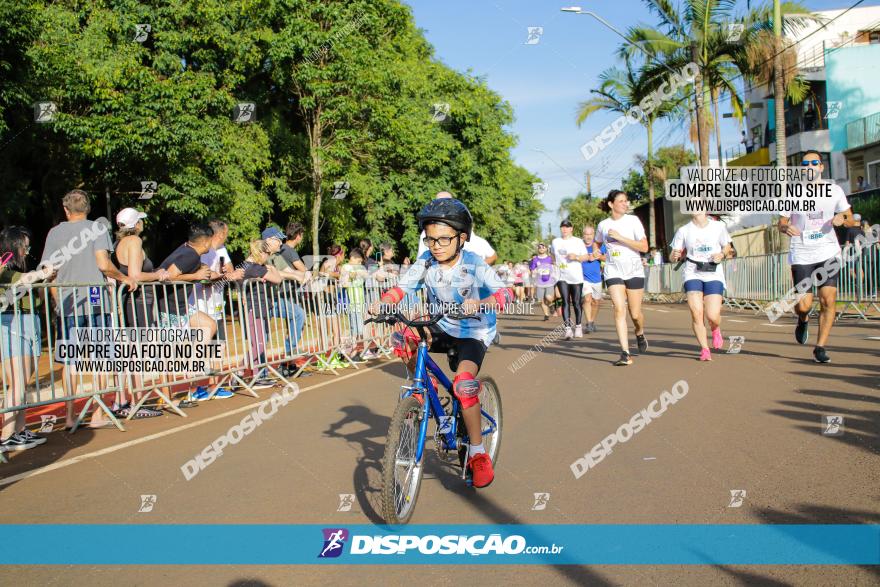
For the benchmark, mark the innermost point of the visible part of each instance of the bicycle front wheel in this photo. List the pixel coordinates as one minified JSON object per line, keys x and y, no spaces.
{"x":401,"y":473}
{"x":490,"y":418}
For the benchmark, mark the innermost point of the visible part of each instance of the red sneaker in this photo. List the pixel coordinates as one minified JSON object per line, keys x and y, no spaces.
{"x":480,"y":466}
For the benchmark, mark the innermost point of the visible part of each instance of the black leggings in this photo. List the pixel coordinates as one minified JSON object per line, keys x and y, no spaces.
{"x":571,"y":298}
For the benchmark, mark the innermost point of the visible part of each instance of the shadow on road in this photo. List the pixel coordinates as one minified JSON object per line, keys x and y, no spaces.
{"x":818,"y":514}
{"x":861,"y":427}
{"x":368,"y":486}
{"x":367,"y":475}
{"x":58,"y":444}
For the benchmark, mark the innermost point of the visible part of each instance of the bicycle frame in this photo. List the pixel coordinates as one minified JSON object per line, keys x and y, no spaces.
{"x":432,"y":407}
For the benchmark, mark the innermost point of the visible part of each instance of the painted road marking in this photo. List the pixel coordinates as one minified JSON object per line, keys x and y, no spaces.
{"x":135,"y":442}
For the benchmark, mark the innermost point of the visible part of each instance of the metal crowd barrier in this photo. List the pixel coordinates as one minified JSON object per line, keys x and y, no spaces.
{"x":755,"y":282}
{"x":263,"y":326}
{"x":177,"y":305}
{"x":33,"y":375}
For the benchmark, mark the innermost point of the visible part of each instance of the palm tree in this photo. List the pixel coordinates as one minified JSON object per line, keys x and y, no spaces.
{"x":693,"y":33}
{"x":620,"y":91}
{"x":772,"y":61}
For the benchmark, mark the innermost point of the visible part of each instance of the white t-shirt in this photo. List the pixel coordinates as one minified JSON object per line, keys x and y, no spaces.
{"x":476,"y":244}
{"x":701,"y":244}
{"x":622,"y":261}
{"x":569,"y":271}
{"x":817,"y":242}
{"x":209,"y":298}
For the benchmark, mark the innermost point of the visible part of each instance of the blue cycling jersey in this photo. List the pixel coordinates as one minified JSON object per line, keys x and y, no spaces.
{"x":469,"y":279}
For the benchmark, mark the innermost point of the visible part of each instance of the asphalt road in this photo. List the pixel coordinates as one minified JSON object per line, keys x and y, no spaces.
{"x":750,"y":421}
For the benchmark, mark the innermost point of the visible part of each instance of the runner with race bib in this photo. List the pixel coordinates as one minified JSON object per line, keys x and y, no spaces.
{"x":703,"y":243}
{"x":544,"y":279}
{"x":569,"y":251}
{"x":814,"y":255}
{"x":624,"y":238}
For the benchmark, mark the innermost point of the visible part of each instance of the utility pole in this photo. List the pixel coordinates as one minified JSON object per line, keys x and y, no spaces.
{"x":779,"y":86}
{"x":589,"y":188}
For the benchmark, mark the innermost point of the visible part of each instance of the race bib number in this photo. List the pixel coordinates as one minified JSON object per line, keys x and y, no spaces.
{"x":703,"y":252}
{"x":811,"y":236}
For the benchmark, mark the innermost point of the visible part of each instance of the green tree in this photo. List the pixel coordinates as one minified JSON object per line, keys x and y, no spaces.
{"x":343,"y":93}
{"x":581,"y":210}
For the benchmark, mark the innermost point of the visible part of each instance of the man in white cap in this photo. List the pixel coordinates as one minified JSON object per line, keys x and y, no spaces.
{"x":475,"y":244}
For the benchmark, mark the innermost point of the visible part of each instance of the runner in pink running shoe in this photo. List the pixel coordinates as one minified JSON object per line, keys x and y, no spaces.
{"x":703,"y":243}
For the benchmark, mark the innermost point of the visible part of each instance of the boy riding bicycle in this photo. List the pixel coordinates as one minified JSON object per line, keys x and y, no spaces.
{"x":454,"y":276}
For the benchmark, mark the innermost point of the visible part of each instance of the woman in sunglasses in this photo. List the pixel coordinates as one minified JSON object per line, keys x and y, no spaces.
{"x":814,"y":256}
{"x":703,"y":243}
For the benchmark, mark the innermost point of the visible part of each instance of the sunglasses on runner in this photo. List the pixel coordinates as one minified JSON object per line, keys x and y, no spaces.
{"x":811,"y":162}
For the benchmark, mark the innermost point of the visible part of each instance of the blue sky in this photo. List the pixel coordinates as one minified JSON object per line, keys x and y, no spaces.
{"x":545,"y":82}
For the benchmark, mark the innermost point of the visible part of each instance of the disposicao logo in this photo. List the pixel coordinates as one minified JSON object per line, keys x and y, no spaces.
{"x":334,"y":541}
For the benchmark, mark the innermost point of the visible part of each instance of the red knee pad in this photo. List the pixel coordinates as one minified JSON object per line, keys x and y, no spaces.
{"x":467,"y":389}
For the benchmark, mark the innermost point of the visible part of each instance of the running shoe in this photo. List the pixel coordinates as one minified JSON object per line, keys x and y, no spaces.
{"x":568,"y":334}
{"x":591,"y":327}
{"x":263,"y":383}
{"x":202,"y":394}
{"x":16,"y":442}
{"x":32,"y":437}
{"x":368,"y":355}
{"x":146,"y":412}
{"x":717,"y":339}
{"x":642,"y":342}
{"x":820,"y":356}
{"x":802,"y":332}
{"x":578,"y":331}
{"x":121,"y":411}
{"x":705,"y":355}
{"x":624,"y":360}
{"x":546,"y":317}
{"x":480,"y":466}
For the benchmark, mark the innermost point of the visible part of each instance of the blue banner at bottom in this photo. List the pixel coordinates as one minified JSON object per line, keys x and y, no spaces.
{"x":267,"y":544}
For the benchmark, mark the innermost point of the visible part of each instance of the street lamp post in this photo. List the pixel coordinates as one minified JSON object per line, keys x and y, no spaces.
{"x":609,"y":26}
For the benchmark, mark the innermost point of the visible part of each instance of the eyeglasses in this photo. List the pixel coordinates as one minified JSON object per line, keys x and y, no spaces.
{"x":811,"y":162}
{"x":443,"y":241}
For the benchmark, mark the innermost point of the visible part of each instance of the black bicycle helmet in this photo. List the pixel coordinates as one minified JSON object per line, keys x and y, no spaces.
{"x":448,"y":211}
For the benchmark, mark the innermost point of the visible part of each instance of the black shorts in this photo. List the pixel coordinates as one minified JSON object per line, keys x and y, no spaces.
{"x":801,"y":272}
{"x":457,"y":349}
{"x":631,"y":283}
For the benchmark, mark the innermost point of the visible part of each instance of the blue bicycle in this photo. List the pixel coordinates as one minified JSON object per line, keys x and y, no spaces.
{"x":404,"y":460}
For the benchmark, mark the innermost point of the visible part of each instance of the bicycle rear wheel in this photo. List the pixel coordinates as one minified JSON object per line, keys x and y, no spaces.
{"x":490,"y":405}
{"x":401,"y":474}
